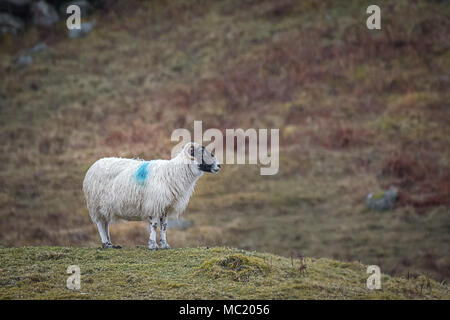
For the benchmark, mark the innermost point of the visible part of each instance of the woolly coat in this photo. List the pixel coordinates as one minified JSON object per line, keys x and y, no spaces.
{"x":127,"y":189}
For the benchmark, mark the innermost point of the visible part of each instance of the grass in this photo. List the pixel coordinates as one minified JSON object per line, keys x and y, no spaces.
{"x":194,"y":273}
{"x":358,"y":111}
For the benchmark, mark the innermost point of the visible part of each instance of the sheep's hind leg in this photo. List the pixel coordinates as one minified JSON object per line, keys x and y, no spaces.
{"x":152,"y":245}
{"x":103,"y":229}
{"x":109,"y":239}
{"x":163,"y":225}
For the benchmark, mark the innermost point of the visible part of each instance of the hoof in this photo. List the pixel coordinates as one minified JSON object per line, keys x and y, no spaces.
{"x":164,"y":245}
{"x":106,"y":245}
{"x":152,"y":245}
{"x":109,"y":245}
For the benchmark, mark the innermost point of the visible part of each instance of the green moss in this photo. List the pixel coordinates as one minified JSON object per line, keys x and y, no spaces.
{"x":193,"y":273}
{"x":236,"y":266}
{"x":378,"y":195}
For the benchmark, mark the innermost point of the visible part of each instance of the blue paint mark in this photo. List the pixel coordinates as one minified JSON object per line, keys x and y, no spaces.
{"x":142,"y":172}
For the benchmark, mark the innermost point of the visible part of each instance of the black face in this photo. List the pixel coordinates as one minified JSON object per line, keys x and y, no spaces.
{"x":207,"y":161}
{"x":205,"y":167}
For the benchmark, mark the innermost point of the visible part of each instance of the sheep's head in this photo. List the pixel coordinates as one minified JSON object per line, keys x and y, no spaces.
{"x":202,"y":159}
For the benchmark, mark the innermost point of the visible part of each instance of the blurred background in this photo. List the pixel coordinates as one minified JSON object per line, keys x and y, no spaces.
{"x":358,"y":110}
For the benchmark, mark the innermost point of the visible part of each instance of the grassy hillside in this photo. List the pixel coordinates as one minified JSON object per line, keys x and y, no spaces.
{"x":358,"y":111}
{"x":193,"y":273}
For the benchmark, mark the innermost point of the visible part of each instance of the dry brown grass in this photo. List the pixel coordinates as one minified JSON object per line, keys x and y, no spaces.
{"x":358,"y":111}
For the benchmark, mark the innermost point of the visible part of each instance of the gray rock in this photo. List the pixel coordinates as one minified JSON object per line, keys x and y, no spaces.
{"x":43,"y":14}
{"x":24,"y":60}
{"x":86,"y":27}
{"x":10,"y":24}
{"x":383,"y":200}
{"x":85,"y":8}
{"x":26,"y":56}
{"x":41,"y":46}
{"x":180,"y":223}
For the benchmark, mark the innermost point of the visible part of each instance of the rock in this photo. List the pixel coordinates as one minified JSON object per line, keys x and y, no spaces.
{"x":86,"y":27}
{"x":26,"y":56}
{"x":43,"y":14}
{"x":179,"y":224}
{"x":381,"y":201}
{"x":24,"y":60}
{"x":85,"y":8}
{"x":10,"y":24}
{"x":41,"y":46}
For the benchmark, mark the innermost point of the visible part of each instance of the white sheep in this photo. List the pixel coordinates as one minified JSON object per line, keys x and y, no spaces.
{"x":136,"y":190}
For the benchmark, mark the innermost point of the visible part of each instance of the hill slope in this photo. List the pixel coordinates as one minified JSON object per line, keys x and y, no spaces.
{"x":193,"y":273}
{"x":358,"y":111}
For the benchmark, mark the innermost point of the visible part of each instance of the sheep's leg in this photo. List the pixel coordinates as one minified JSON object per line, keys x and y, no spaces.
{"x":152,"y":245}
{"x":163,"y":225}
{"x":115,"y":246}
{"x":103,"y":229}
{"x":107,"y":233}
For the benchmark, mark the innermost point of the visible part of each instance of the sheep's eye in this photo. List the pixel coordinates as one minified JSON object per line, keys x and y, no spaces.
{"x":192,"y":151}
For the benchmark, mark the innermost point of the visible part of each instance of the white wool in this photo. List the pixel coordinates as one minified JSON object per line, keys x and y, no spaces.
{"x":114,"y":192}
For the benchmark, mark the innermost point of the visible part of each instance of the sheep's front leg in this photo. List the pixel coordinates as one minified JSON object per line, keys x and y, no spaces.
{"x":163,"y":225}
{"x":152,"y":245}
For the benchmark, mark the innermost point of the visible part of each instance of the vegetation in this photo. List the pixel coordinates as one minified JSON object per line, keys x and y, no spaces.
{"x":193,"y":273}
{"x":358,"y":110}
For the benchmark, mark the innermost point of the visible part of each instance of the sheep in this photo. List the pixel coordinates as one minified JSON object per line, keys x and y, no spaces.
{"x":118,"y":189}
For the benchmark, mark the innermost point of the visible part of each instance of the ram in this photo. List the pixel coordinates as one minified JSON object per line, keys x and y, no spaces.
{"x":118,"y":189}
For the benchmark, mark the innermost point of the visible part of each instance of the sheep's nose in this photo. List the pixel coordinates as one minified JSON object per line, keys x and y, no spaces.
{"x":219,"y":166}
